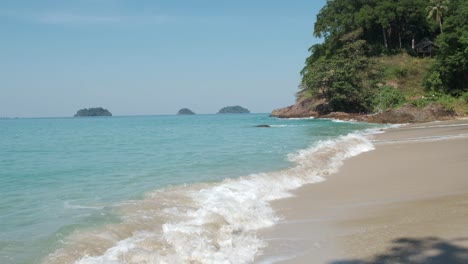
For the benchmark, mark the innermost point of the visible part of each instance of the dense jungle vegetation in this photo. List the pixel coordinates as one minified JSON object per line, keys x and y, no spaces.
{"x":371,"y":59}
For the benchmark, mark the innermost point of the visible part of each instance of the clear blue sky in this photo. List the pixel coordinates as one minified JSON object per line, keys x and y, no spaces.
{"x":151,"y":57}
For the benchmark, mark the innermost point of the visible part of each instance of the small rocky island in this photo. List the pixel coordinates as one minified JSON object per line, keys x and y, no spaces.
{"x":96,"y":111}
{"x":185,"y":111}
{"x":233,"y":110}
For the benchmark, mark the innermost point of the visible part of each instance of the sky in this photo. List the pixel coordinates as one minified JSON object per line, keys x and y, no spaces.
{"x":150,"y":57}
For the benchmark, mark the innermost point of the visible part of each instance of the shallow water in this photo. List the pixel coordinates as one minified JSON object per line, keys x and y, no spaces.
{"x":155,"y":189}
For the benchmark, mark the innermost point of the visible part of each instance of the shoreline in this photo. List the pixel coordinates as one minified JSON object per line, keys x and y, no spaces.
{"x":407,"y":200}
{"x":213,"y":221}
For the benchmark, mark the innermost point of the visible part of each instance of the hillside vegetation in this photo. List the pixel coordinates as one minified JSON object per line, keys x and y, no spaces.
{"x":368,"y":62}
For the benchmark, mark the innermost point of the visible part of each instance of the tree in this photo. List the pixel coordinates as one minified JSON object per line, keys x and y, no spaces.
{"x":341,"y":70}
{"x":345,"y":79}
{"x":387,"y":25}
{"x":437,"y":10}
{"x":400,"y":21}
{"x":449,"y":73}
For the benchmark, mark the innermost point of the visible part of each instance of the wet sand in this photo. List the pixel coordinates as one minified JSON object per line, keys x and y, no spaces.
{"x":404,"y":202}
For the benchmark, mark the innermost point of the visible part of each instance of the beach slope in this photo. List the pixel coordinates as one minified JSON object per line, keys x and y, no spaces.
{"x":404,"y":202}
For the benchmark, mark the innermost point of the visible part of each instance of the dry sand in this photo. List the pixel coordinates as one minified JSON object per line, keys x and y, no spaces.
{"x":404,"y":202}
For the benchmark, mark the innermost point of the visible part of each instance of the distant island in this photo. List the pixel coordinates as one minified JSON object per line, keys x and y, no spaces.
{"x":185,"y":111}
{"x":96,"y":111}
{"x":233,"y":110}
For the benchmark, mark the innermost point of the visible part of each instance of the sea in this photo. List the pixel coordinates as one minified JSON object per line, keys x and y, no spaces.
{"x":157,"y":189}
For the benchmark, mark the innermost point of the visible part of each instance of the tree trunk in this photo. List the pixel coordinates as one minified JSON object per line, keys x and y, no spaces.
{"x":391,"y":42}
{"x":385,"y":37}
{"x":464,"y":84}
{"x":440,"y":23}
{"x":399,"y":39}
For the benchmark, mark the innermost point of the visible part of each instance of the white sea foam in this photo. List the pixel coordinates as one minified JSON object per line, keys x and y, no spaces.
{"x":67,"y":205}
{"x":437,"y":126}
{"x":420,"y":139}
{"x":298,"y":118}
{"x":287,"y":125}
{"x":342,"y":121}
{"x":213,"y":223}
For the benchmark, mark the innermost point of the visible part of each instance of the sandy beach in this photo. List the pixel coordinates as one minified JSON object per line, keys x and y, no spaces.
{"x":404,"y":202}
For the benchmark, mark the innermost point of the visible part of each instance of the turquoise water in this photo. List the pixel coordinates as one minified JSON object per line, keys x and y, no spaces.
{"x":62,"y":175}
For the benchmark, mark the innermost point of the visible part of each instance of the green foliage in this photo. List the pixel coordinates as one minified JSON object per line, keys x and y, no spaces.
{"x":345,"y":79}
{"x":422,"y":102}
{"x":388,"y":97}
{"x":387,"y":25}
{"x":341,"y":70}
{"x":437,"y":10}
{"x":449,"y":73}
{"x":464,"y":97}
{"x":304,"y":93}
{"x":395,"y":72}
{"x":433,"y":80}
{"x":447,"y":101}
{"x":461,"y":104}
{"x":346,"y":69}
{"x":405,"y":72}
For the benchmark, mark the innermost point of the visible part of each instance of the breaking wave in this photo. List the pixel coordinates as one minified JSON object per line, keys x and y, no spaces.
{"x":206,"y":222}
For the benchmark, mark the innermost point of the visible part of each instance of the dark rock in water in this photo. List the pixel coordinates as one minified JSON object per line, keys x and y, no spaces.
{"x":185,"y":111}
{"x":96,"y":111}
{"x":233,"y":110}
{"x":262,"y":126}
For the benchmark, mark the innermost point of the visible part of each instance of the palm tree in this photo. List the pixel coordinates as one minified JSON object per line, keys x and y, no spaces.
{"x":436,"y":11}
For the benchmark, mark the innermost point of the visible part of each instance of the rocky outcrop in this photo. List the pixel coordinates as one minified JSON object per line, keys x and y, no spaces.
{"x":405,"y":114}
{"x":342,"y":116}
{"x":95,"y":111}
{"x":302,"y":108}
{"x":401,"y":115}
{"x":185,"y":111}
{"x":411,"y":114}
{"x":233,"y":110}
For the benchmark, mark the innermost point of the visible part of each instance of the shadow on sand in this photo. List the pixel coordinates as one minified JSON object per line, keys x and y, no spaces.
{"x":419,"y":251}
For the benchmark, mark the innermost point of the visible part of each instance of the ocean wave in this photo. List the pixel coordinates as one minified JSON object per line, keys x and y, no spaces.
{"x":206,"y":222}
